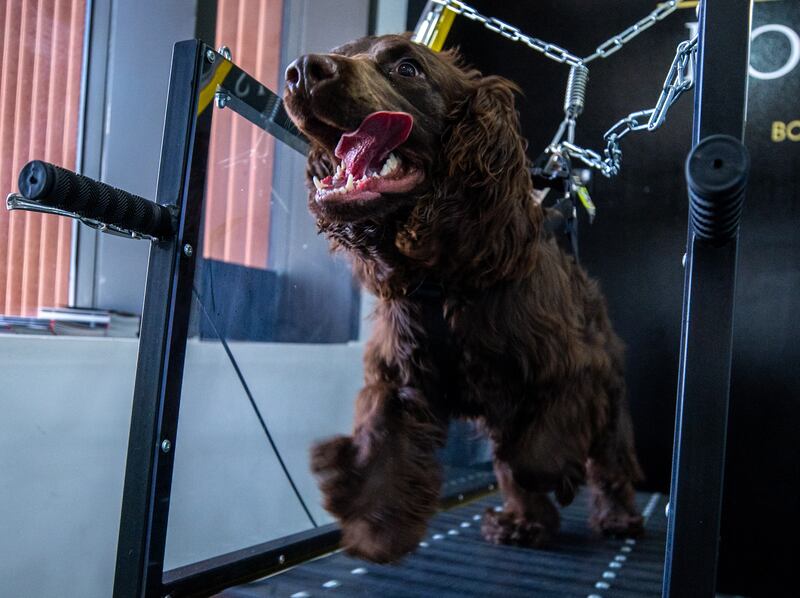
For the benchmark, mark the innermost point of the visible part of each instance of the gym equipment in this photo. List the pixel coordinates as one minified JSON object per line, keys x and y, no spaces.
{"x":202,"y":79}
{"x":438,"y":17}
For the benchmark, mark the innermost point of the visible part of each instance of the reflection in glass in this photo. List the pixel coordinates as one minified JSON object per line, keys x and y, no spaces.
{"x":273,"y":359}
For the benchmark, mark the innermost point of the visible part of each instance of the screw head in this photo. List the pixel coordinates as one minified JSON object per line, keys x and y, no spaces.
{"x":211,"y":56}
{"x":188,"y":250}
{"x":166,"y":445}
{"x":282,"y":559}
{"x":225,"y":51}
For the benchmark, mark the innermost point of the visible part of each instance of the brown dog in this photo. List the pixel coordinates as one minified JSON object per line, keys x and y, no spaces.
{"x":419,"y":172}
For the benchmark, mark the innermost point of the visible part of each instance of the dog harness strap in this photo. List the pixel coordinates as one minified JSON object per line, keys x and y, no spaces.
{"x":561,"y":222}
{"x":429,"y":296}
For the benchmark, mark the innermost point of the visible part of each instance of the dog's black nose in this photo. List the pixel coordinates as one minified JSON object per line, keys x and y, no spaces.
{"x":308,"y":71}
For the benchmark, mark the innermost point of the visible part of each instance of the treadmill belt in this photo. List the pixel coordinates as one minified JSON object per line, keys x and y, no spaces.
{"x":454,"y":560}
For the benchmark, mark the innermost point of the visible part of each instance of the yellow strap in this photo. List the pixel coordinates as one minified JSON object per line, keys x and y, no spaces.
{"x":442,"y":29}
{"x":586,"y":200}
{"x":208,"y":91}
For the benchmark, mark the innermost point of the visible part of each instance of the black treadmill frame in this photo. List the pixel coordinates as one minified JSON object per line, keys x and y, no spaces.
{"x":198,"y":74}
{"x":701,"y":421}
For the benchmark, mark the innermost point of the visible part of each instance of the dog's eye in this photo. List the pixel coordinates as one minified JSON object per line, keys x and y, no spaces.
{"x":407,"y":68}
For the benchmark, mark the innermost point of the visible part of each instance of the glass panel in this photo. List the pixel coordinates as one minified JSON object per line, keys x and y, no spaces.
{"x":274,"y":352}
{"x":268,"y":339}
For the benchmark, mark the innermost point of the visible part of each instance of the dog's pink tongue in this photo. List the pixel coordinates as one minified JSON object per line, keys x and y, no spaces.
{"x":372,"y":142}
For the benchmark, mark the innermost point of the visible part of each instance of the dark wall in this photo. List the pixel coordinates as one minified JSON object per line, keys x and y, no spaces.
{"x":763,"y":473}
{"x":637,"y":241}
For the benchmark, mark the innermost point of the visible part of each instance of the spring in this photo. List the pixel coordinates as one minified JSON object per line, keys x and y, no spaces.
{"x":576,"y":90}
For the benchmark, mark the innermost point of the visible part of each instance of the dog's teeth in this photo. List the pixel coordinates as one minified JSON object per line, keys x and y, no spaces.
{"x":318,"y":184}
{"x":390,"y":165}
{"x":350,"y":182}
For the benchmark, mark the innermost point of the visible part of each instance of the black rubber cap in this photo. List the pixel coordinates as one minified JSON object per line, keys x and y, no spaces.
{"x":35,"y":180}
{"x":718,"y":166}
{"x":717,"y":170}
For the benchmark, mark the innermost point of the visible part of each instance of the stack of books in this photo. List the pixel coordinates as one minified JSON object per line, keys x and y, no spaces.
{"x":24,"y":325}
{"x":74,"y":321}
{"x":82,"y":321}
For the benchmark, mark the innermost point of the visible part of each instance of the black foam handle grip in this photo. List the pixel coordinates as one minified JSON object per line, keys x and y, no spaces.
{"x":57,"y":187}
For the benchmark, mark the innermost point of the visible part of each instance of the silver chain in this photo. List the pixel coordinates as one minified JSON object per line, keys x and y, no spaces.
{"x":553,"y":51}
{"x":677,"y":82}
{"x":610,"y":46}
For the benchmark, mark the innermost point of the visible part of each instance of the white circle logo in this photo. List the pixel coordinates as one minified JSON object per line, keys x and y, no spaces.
{"x":794,"y":54}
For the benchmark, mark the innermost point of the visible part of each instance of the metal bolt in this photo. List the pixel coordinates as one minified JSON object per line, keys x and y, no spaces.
{"x":225,"y":51}
{"x":460,"y":497}
{"x":211,"y":56}
{"x":221,"y":98}
{"x":166,"y":445}
{"x":282,"y":559}
{"x":188,"y":250}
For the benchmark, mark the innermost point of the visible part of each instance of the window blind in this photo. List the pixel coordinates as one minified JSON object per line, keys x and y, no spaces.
{"x":40,"y":78}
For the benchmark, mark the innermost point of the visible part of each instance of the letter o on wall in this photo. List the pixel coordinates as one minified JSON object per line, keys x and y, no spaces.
{"x":794,"y":54}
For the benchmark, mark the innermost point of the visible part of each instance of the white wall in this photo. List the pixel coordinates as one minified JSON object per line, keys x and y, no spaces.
{"x":391,"y":16}
{"x":63,"y":437}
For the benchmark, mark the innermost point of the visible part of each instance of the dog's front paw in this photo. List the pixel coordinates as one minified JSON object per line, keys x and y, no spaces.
{"x":509,"y":528}
{"x":340,"y":481}
{"x":379,"y":540}
{"x":618,"y":522}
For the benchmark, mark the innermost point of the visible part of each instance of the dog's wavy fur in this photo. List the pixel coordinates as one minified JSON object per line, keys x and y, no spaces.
{"x":536,"y":360}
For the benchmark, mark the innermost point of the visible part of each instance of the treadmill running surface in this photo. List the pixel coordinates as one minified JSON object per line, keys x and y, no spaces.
{"x":454,"y":560}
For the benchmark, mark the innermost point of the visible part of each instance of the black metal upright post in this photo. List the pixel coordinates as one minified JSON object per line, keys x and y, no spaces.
{"x":716,"y":174}
{"x":162,"y":345}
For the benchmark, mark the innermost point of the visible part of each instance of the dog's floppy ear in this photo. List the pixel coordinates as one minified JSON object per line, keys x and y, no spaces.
{"x":489,"y":188}
{"x":483,"y":145}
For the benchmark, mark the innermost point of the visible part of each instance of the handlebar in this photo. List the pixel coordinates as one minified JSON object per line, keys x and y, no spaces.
{"x":59,"y":188}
